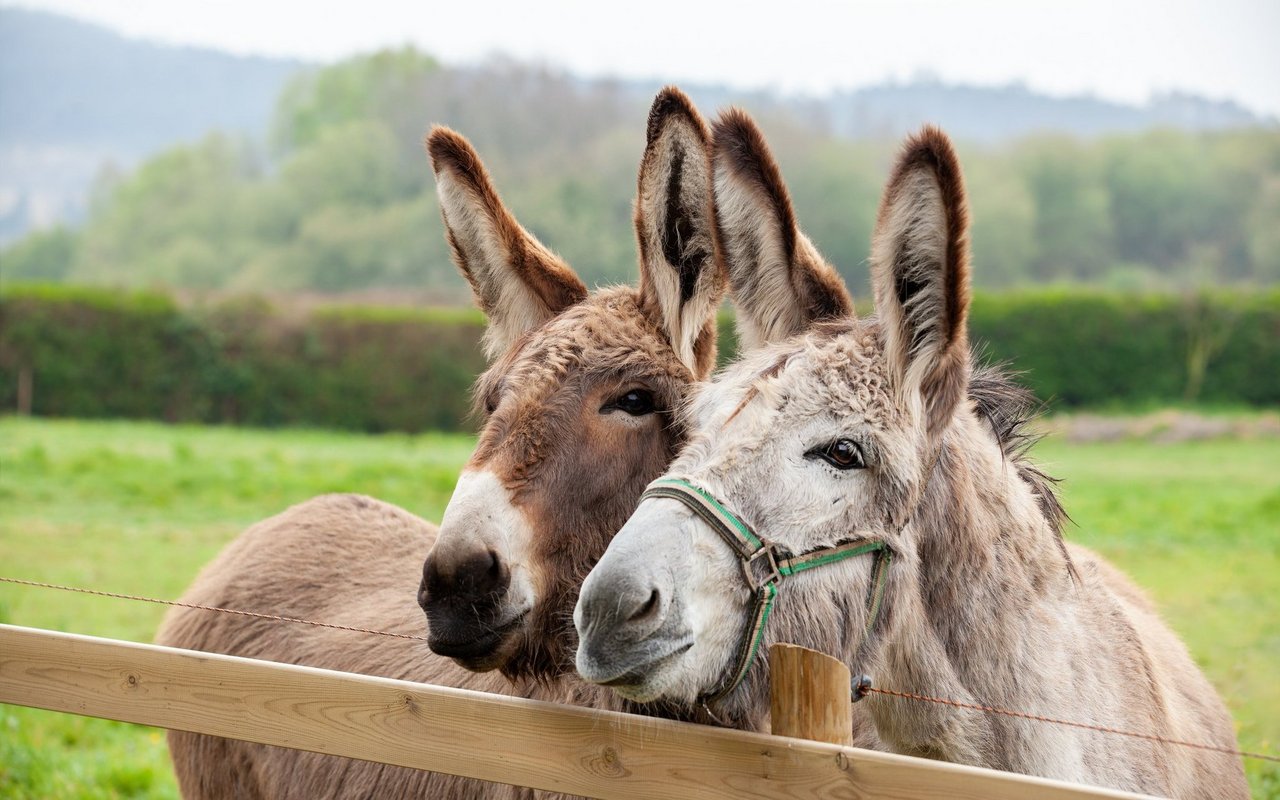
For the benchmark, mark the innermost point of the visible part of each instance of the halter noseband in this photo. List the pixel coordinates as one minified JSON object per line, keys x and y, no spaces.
{"x":765,"y":564}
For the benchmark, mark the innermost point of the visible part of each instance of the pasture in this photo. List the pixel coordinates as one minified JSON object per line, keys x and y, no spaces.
{"x":139,"y":507}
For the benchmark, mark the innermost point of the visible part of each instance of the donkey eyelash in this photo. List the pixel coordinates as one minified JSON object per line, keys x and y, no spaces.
{"x":836,"y":454}
{"x":637,"y":402}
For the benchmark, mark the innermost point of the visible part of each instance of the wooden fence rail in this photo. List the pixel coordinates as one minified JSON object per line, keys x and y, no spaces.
{"x":492,"y":737}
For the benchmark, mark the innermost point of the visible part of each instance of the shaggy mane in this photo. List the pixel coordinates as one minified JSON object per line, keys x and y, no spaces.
{"x":1010,"y":408}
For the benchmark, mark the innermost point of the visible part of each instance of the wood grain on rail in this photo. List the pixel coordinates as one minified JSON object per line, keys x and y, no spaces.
{"x":490,"y":737}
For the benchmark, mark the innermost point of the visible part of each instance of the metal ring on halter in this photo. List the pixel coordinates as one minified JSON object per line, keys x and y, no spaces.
{"x":772,"y":576}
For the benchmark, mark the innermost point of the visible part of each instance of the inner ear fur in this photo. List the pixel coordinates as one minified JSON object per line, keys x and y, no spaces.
{"x":920,"y":273}
{"x":781,"y":285}
{"x":682,"y":277}
{"x":518,"y":283}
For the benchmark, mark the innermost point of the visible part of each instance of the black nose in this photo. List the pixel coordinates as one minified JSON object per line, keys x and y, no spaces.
{"x":479,"y":577}
{"x":463,"y":595}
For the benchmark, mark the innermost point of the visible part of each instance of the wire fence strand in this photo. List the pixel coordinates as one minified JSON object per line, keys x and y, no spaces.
{"x":199,"y":607}
{"x":864,"y":690}
{"x":1037,"y":718}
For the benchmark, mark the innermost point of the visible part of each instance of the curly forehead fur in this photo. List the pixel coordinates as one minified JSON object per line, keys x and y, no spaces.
{"x":609,"y":329}
{"x":845,"y":371}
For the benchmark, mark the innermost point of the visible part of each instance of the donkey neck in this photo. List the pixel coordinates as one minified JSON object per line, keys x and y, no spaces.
{"x":983,"y":592}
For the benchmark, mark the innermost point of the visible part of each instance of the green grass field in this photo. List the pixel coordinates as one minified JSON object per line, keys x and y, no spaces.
{"x":138,"y":508}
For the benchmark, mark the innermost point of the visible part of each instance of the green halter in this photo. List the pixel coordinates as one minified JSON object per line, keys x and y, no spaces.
{"x":764,"y":565}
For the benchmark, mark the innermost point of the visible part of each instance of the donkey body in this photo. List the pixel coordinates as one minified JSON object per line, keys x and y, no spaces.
{"x":578,"y":418}
{"x":344,"y":559}
{"x":879,"y":435}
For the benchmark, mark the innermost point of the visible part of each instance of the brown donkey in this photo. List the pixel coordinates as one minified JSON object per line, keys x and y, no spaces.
{"x":882,"y":481}
{"x":578,"y":419}
{"x":577,"y":407}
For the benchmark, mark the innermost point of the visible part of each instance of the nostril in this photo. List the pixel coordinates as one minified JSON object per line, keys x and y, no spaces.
{"x":464,"y":577}
{"x":485,"y":573}
{"x":431,"y":581}
{"x":497,"y":575}
{"x":646,"y":610}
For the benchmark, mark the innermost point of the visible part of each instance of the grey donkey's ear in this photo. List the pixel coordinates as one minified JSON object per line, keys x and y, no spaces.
{"x":781,"y":285}
{"x":920,"y":274}
{"x":681,"y":272}
{"x":518,"y":283}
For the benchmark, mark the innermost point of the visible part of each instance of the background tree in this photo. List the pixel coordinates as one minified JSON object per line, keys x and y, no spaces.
{"x":342,"y":199}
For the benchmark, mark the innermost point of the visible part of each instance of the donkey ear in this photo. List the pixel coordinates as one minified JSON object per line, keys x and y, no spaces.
{"x":920,"y":274}
{"x":781,"y":285}
{"x":518,"y":283}
{"x":681,"y":273}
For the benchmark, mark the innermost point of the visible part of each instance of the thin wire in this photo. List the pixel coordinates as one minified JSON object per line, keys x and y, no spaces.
{"x":199,"y":607}
{"x":862,"y":690}
{"x":1102,"y":728}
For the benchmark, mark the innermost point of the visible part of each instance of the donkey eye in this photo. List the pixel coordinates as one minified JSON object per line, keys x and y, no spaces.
{"x":841,"y":454}
{"x":636,"y":402}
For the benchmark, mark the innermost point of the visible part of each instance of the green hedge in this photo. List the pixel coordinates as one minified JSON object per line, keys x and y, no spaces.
{"x":92,"y":353}
{"x":1106,"y":350}
{"x":97,"y":354}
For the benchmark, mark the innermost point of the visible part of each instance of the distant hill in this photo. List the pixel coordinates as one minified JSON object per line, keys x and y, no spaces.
{"x":980,"y":113}
{"x":65,"y":83}
{"x":992,"y":114}
{"x":75,"y":97}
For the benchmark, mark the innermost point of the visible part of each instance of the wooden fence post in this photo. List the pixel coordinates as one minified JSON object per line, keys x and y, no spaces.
{"x":809,"y":695}
{"x":26,"y":388}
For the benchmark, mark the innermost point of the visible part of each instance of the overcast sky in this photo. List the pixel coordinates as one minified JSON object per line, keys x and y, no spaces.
{"x":1118,"y":49}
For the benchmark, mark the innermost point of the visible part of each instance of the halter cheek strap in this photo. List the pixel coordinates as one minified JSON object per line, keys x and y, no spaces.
{"x":765,"y":564}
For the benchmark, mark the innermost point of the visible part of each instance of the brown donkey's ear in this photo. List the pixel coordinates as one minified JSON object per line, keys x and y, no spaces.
{"x":920,"y":274}
{"x":681,"y":272}
{"x":518,"y":283}
{"x":780,"y":284}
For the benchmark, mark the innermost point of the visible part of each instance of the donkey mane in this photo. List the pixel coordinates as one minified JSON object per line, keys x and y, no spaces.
{"x":1010,"y":409}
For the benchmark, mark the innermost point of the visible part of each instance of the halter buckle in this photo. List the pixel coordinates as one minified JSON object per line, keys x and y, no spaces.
{"x":773,"y":575}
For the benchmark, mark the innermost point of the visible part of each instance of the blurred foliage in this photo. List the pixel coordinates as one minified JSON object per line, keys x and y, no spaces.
{"x":45,"y":255}
{"x":342,"y":198}
{"x":379,"y":86}
{"x":1107,"y":349}
{"x":94,"y":353}
{"x":97,"y":353}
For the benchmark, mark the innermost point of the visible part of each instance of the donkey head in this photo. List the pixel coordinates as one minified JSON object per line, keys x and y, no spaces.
{"x":578,"y":400}
{"x":816,"y":442}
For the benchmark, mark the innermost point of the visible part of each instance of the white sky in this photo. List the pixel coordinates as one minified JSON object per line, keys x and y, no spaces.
{"x":1119,"y":49}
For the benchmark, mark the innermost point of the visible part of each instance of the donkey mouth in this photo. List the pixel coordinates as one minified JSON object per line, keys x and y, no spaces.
{"x":633,"y":678}
{"x":474,"y":642}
